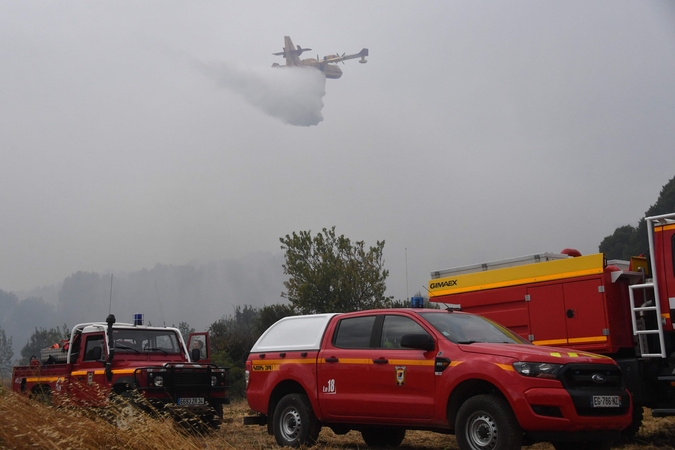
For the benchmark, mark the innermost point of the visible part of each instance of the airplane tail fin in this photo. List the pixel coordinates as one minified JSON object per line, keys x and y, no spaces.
{"x":291,"y":54}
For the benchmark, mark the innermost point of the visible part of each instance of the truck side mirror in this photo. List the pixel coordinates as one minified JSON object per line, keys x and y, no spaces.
{"x":418,"y":341}
{"x":195,"y":354}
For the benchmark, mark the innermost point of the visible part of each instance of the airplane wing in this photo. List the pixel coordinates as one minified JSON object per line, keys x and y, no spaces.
{"x":337,"y":58}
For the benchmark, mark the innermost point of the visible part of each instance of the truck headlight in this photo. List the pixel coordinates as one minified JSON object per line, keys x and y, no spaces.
{"x":537,"y":370}
{"x":214,"y":380}
{"x":158,"y":381}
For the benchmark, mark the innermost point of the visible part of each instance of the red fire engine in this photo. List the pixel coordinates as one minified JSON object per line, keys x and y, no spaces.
{"x":622,"y":309}
{"x":104,"y":361}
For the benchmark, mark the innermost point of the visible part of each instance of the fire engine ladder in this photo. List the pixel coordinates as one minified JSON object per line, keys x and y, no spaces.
{"x":639,"y":327}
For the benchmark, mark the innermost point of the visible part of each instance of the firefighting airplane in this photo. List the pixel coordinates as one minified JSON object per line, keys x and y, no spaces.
{"x":328,"y":65}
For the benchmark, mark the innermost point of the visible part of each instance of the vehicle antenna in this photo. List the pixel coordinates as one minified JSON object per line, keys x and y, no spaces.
{"x":407,"y":297}
{"x":110,"y":301}
{"x":160,"y":304}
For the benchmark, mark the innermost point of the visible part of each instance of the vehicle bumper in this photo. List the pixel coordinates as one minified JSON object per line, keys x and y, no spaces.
{"x":557,"y":410}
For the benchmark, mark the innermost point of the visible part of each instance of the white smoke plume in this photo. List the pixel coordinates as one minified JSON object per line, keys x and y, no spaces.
{"x":291,"y":94}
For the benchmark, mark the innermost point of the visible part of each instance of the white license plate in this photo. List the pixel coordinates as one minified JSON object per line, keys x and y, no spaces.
{"x":186,"y":401}
{"x":606,"y":401}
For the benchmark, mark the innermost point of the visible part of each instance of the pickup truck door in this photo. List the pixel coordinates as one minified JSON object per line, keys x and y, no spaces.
{"x":363,"y":371}
{"x":87,"y":381}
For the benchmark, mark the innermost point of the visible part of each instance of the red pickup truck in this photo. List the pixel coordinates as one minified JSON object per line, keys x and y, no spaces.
{"x":385,"y":371}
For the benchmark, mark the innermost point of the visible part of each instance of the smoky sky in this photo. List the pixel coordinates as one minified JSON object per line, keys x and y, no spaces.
{"x":291,"y":94}
{"x":476,"y":131}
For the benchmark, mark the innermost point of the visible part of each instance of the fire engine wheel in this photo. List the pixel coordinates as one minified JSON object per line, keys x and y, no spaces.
{"x":215,"y":419}
{"x":383,"y":437}
{"x":486,"y":422}
{"x":294,"y":422}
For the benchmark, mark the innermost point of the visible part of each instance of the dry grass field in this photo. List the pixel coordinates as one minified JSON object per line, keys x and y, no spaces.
{"x":28,"y":424}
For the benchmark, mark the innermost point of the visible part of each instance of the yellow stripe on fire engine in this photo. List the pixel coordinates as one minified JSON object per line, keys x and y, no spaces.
{"x":80,"y":373}
{"x":664,"y":228}
{"x":41,"y":379}
{"x":581,"y":340}
{"x":513,"y":276}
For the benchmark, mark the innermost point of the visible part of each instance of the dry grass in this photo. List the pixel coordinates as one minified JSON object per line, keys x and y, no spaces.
{"x":28,"y":424}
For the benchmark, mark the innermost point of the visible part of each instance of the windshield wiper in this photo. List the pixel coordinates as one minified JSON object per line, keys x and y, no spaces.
{"x":466,"y":342}
{"x":155,"y":349}
{"x":122,"y":346}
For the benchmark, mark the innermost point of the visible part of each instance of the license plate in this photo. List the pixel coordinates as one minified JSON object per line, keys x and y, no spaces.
{"x":187,"y":401}
{"x":606,"y":401}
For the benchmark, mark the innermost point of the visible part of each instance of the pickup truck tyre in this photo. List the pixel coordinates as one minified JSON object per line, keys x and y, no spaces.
{"x":628,"y":434}
{"x":294,"y":422}
{"x":383,"y":437}
{"x":486,"y":422}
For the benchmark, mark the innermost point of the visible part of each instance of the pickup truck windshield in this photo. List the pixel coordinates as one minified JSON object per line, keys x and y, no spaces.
{"x":146,"y":341}
{"x":469,"y":329}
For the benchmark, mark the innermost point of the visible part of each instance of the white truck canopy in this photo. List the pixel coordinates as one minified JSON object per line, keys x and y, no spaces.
{"x":293,"y":333}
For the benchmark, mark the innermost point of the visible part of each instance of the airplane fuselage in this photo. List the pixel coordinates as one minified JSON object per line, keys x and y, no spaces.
{"x":330,"y":70}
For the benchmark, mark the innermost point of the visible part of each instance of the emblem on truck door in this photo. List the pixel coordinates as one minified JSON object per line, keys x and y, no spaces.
{"x":400,"y":375}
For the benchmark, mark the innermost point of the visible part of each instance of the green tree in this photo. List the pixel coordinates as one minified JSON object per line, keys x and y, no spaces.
{"x":329,"y":273}
{"x":231,"y":340}
{"x":185,"y":330}
{"x":627,"y":241}
{"x":234,"y":335}
{"x":40,"y":339}
{"x":6,"y":355}
{"x":270,"y":314}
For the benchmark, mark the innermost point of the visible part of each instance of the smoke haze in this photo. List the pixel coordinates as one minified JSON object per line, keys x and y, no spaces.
{"x":291,"y":94}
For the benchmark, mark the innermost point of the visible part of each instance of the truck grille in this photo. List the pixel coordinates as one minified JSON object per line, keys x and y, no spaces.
{"x":583,"y":381}
{"x":591,"y":376}
{"x":185,"y":378}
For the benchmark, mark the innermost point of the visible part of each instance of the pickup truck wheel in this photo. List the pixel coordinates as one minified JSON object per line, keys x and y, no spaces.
{"x":383,"y":437}
{"x":486,"y":422}
{"x":294,"y":422}
{"x":628,"y":434}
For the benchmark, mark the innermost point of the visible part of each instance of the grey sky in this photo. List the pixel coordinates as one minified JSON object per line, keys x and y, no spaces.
{"x":477,"y":130}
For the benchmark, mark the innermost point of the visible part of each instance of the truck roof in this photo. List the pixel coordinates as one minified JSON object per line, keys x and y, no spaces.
{"x":498,"y":264}
{"x":294,"y":333}
{"x":91,"y":327}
